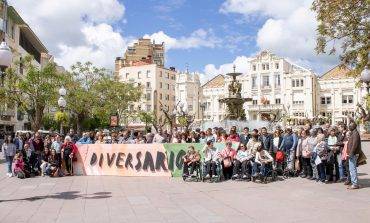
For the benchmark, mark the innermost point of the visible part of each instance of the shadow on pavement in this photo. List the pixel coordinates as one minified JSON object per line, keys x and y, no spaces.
{"x":68,"y":195}
{"x":364,"y":183}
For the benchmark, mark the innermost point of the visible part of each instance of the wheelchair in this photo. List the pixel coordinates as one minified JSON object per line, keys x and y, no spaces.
{"x":240,"y":177}
{"x":196,"y":176}
{"x":216,"y":178}
{"x":269,"y":176}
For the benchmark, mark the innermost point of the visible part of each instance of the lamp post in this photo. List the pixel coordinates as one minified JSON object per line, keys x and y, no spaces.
{"x":62,"y":103}
{"x":5,"y":53}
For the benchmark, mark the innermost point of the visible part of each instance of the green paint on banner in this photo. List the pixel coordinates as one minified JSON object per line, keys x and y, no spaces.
{"x":175,"y":152}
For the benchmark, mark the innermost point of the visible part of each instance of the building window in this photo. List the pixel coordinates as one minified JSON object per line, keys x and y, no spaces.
{"x":139,"y":75}
{"x":168,"y":76}
{"x":298,"y":102}
{"x":265,"y":66}
{"x":174,"y":98}
{"x":147,"y":84}
{"x":278,"y":101}
{"x":265,"y":81}
{"x":302,"y":82}
{"x":160,"y":96}
{"x":254,"y":102}
{"x":168,"y":86}
{"x":167,"y":97}
{"x":347,"y":99}
{"x":276,"y":66}
{"x":160,"y":74}
{"x":190,"y":108}
{"x":325,"y":100}
{"x":148,"y":96}
{"x":148,"y":74}
{"x":160,"y":85}
{"x":254,"y":67}
{"x":277,"y":80}
{"x":293,"y":83}
{"x":254,"y":82}
{"x":148,"y":107}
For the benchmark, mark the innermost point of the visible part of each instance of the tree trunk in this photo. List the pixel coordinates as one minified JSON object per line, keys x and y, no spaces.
{"x":36,"y":118}
{"x":80,"y":119}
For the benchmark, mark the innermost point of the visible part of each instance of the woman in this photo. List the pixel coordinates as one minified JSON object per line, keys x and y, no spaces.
{"x":9,"y":149}
{"x":54,"y":161}
{"x":321,"y":155}
{"x":140,"y":139}
{"x":304,"y":153}
{"x":276,"y":142}
{"x":44,"y":161}
{"x":312,"y":142}
{"x":227,"y":156}
{"x":191,"y":159}
{"x":210,"y":159}
{"x":222,"y":138}
{"x":100,"y":139}
{"x":69,"y":150}
{"x":233,"y":137}
{"x":202,"y":137}
{"x":241,"y":162}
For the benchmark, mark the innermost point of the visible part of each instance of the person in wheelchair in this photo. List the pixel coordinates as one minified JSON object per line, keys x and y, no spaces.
{"x":227,"y":156}
{"x":241,"y":163}
{"x":261,"y":161}
{"x":191,"y":159}
{"x":210,"y":159}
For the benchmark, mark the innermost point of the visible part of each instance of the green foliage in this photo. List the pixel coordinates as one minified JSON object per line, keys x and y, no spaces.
{"x":146,"y":117}
{"x":93,"y":95}
{"x":61,"y":117}
{"x":32,"y":91}
{"x":182,"y":121}
{"x":346,"y":22}
{"x":48,"y":122}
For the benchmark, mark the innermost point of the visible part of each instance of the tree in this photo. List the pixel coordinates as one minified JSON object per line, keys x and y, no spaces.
{"x":33,"y":91}
{"x":147,"y":118}
{"x":346,"y":22}
{"x":93,"y":93}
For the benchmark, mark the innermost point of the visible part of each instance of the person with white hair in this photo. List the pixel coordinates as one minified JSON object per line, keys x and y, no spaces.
{"x":69,"y":151}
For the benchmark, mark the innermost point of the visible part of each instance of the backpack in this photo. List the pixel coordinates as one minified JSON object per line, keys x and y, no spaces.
{"x":279,"y":156}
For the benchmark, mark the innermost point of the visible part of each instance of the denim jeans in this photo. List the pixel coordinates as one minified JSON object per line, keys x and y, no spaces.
{"x":259,"y":168}
{"x":9,"y":163}
{"x":352,"y":164}
{"x":340,"y":166}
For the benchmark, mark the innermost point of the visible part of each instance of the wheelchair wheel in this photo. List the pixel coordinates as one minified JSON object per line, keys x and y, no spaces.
{"x":273,"y":175}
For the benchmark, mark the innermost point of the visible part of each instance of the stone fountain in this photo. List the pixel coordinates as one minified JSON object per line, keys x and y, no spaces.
{"x":234,"y":101}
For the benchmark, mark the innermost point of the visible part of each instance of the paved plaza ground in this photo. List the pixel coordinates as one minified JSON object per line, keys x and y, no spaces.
{"x":131,"y":199}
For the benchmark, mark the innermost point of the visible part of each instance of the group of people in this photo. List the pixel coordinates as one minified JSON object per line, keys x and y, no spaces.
{"x":324,"y":154}
{"x":329,"y":154}
{"x":30,"y":155}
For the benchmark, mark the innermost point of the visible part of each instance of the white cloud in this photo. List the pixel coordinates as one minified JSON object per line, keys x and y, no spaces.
{"x":199,"y":38}
{"x":289,"y":31}
{"x":70,"y":29}
{"x":241,"y":65}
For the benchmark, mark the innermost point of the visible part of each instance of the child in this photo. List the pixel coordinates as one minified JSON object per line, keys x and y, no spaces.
{"x":19,"y":170}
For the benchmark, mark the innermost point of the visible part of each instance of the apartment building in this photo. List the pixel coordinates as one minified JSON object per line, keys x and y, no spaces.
{"x":158,"y":86}
{"x":143,"y":50}
{"x":22,"y":41}
{"x":212,"y":92}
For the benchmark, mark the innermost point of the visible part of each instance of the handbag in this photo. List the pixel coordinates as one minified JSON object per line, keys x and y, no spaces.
{"x":227,"y":162}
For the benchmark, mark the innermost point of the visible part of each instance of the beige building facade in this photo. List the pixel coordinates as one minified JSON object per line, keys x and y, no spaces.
{"x":22,"y":41}
{"x":158,"y":86}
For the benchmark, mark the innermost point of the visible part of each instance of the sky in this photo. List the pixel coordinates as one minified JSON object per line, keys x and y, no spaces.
{"x":207,"y":36}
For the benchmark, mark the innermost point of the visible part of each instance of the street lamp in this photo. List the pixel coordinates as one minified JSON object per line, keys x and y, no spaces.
{"x":365,"y":78}
{"x":5,"y":53}
{"x":62,"y":103}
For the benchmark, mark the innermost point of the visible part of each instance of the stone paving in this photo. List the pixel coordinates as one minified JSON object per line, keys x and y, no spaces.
{"x":156,"y":199}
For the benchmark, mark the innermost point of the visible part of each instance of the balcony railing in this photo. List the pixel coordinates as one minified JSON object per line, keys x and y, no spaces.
{"x":270,"y":107}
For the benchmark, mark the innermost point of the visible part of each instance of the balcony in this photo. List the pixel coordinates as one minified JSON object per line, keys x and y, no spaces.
{"x":8,"y":112}
{"x":265,"y":108}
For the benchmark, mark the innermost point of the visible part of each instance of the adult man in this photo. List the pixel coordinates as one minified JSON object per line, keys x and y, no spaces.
{"x":73,"y":135}
{"x":339,"y":167}
{"x":266,"y":140}
{"x":57,"y":144}
{"x":85,"y":139}
{"x":353,"y":152}
{"x":245,"y":136}
{"x":288,"y":146}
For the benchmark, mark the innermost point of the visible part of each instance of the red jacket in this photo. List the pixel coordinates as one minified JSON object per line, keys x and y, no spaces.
{"x":71,"y":145}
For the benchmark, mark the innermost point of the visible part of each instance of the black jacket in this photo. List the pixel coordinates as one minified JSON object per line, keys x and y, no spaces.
{"x":267,"y":143}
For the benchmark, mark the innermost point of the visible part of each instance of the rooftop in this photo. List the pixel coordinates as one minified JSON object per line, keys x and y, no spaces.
{"x":216,"y":82}
{"x":336,"y":72}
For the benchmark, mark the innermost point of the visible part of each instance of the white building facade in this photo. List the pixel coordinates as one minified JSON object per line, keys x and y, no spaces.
{"x":188,"y":92}
{"x":212,"y":92}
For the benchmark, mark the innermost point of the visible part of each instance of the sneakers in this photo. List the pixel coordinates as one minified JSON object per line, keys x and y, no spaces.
{"x":9,"y":175}
{"x":235,"y":175}
{"x":353,"y":187}
{"x":207,"y":176}
{"x":244,"y":177}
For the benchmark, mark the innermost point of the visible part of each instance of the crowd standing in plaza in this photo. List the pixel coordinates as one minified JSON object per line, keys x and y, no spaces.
{"x":323,"y":154}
